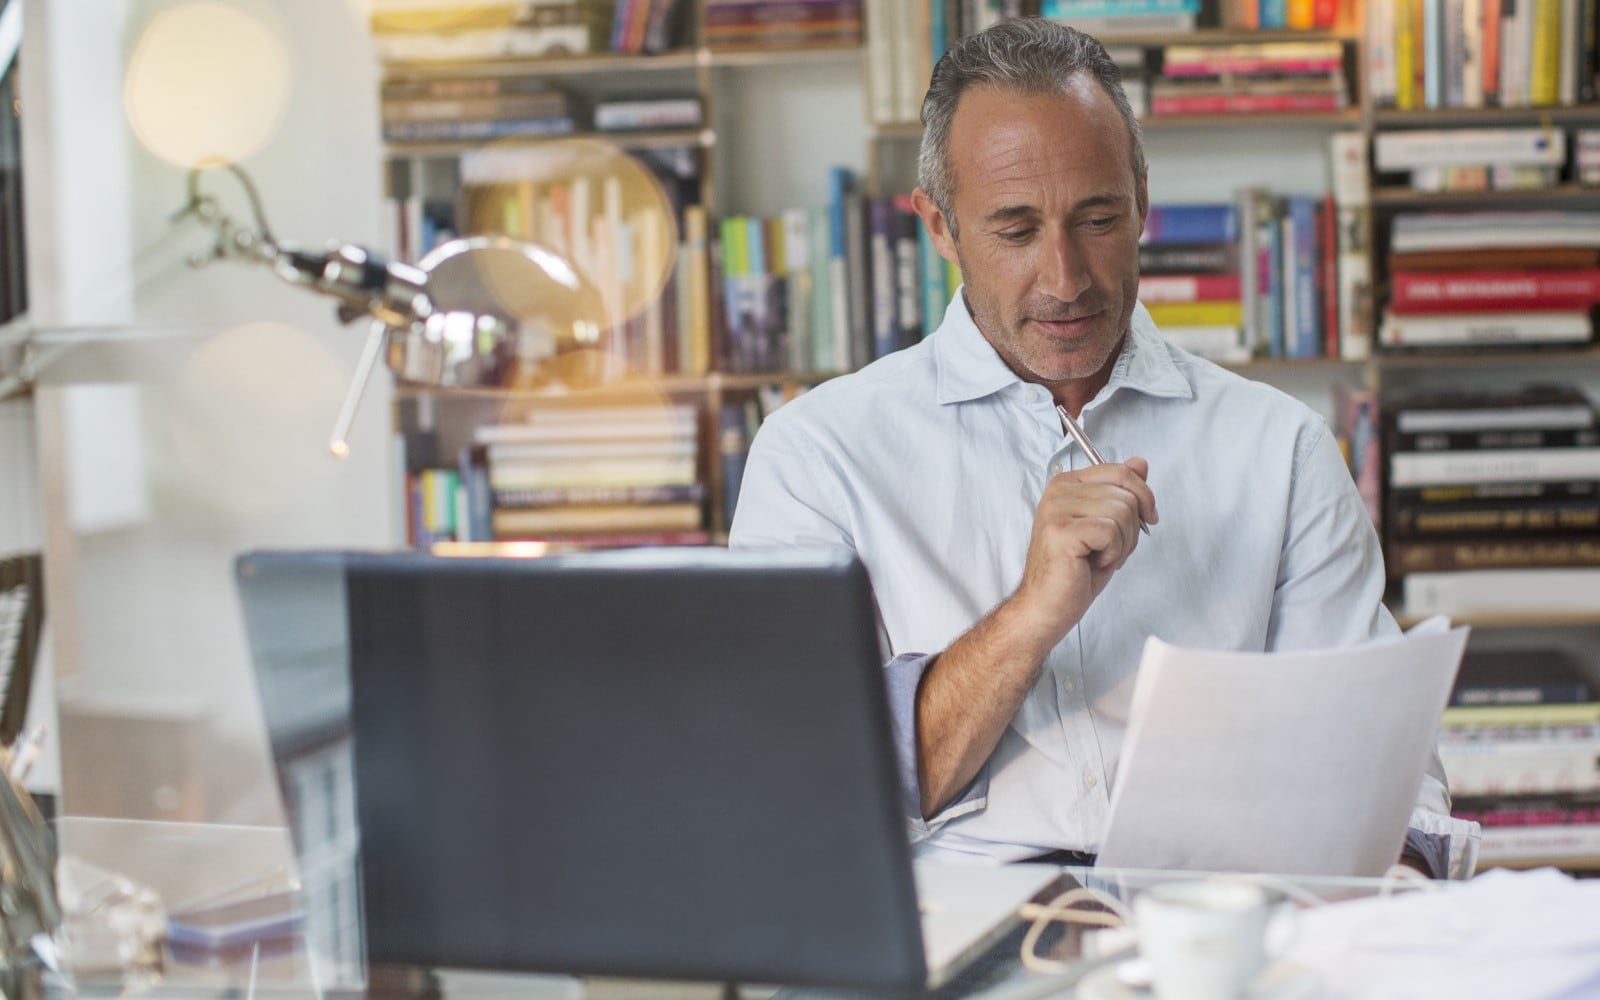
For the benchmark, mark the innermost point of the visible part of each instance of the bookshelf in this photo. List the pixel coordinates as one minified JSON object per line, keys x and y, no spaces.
{"x":1194,"y":157}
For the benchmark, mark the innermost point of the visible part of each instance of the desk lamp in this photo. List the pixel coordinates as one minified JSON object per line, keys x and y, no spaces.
{"x":480,"y":312}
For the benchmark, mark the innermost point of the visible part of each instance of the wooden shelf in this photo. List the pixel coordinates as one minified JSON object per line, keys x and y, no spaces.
{"x":663,"y":139}
{"x":1263,"y":365}
{"x":1229,"y":36}
{"x":678,"y":60}
{"x":1577,"y":864}
{"x":633,"y":385}
{"x":1459,"y":117}
{"x":1519,"y":619}
{"x":1487,"y":199}
{"x":1275,"y":119}
{"x":1482,"y":356}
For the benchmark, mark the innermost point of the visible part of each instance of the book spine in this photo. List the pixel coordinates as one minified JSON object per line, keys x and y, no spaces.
{"x":1559,"y":519}
{"x":1488,"y":440}
{"x":1492,"y":465}
{"x":1532,"y":843}
{"x":1408,"y":557}
{"x":1567,"y":692}
{"x":1471,"y":291}
{"x":558,"y":496}
{"x":1190,"y":288}
{"x":1191,"y":224}
{"x":1189,"y":258}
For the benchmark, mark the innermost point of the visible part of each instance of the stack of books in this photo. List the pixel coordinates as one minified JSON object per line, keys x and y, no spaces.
{"x":1103,"y":18}
{"x":742,"y":24}
{"x":1485,"y":279}
{"x":440,"y":31}
{"x":459,"y":109}
{"x":1473,"y":159}
{"x":1493,"y":500}
{"x":1248,"y":78}
{"x":1190,"y":278}
{"x":1520,"y":744}
{"x":593,"y":475}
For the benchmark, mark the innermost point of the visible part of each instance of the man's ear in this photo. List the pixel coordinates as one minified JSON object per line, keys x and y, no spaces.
{"x":939,"y":229}
{"x":1144,"y":199}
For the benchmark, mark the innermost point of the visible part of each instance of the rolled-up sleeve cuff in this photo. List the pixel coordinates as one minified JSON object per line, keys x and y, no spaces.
{"x":902,"y":676}
{"x":1432,"y":849}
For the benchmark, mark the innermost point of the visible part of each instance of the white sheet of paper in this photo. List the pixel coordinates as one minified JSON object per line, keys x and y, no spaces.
{"x":1288,"y":762}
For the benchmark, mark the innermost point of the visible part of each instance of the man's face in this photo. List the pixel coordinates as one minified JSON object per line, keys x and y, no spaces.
{"x":1049,"y":215}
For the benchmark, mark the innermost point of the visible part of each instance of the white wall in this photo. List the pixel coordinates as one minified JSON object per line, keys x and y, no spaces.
{"x":196,"y":427}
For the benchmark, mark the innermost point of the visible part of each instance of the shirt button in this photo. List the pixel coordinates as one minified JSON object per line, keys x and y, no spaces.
{"x":1089,"y":781}
{"x":1068,"y":686}
{"x":1056,"y":469}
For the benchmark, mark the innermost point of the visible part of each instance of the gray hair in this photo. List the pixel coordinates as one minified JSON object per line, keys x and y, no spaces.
{"x":1029,"y":55}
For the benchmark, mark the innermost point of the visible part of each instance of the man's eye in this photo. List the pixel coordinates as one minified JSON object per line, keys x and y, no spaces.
{"x":1016,"y":235}
{"x":1102,"y":221}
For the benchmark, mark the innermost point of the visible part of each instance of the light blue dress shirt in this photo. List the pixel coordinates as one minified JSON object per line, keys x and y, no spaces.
{"x":929,"y":463}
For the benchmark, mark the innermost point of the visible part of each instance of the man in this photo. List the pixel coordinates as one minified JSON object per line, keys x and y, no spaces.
{"x":1015,"y":587}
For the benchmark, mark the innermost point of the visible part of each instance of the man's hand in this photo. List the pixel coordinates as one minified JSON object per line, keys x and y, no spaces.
{"x":1084,"y":529}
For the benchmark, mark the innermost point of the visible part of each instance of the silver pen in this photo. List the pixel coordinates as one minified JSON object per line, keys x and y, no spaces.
{"x":1088,"y":447}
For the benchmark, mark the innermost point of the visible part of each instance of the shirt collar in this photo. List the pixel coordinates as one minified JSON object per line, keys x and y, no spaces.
{"x":970,"y":368}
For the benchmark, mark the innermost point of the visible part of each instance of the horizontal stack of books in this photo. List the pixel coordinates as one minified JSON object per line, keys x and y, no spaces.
{"x":1109,"y":18}
{"x":1473,"y":159}
{"x":742,"y":24}
{"x":1250,"y":78}
{"x":1190,"y":278}
{"x":439,"y":31}
{"x":456,"y":109}
{"x":1520,"y":744}
{"x":1493,"y":500}
{"x":597,"y":475}
{"x":1492,"y":279}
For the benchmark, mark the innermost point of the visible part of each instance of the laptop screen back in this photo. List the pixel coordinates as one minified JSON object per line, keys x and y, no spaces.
{"x":669,"y":763}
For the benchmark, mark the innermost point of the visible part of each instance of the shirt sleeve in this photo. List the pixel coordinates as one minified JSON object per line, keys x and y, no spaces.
{"x":786,"y":500}
{"x":1330,"y":588}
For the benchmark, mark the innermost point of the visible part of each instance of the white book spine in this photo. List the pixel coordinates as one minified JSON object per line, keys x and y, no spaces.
{"x":1462,"y":329}
{"x":1457,"y":147}
{"x":1497,"y":465}
{"x":1532,"y":843}
{"x":1546,"y":590}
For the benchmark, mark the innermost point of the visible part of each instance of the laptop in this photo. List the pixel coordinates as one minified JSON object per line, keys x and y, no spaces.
{"x":669,"y":764}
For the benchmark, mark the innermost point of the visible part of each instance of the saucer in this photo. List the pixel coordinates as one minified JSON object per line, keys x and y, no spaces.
{"x":1278,"y":981}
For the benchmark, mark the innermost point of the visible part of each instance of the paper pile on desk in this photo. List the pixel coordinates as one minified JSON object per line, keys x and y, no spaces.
{"x":1502,"y":936}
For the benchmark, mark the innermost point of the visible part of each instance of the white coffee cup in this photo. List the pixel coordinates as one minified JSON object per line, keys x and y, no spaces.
{"x":1204,"y":939}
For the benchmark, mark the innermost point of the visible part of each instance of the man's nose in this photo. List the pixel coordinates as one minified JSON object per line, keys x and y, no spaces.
{"x":1065,"y":272}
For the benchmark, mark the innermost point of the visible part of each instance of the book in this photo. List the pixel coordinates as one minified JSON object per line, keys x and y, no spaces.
{"x":1530,"y":437}
{"x":1479,"y":589}
{"x":1485,"y":329}
{"x":1245,"y":59}
{"x":1519,"y":407}
{"x":1506,"y":520}
{"x":1493,"y":230}
{"x":1535,"y":806}
{"x":1222,"y":344}
{"x":1541,"y":676}
{"x":557,"y":496}
{"x":1473,"y":291}
{"x":459,"y":130}
{"x":1492,"y":465}
{"x":570,"y":519}
{"x":1556,"y":843}
{"x":1586,"y":713}
{"x":647,"y":113}
{"x":1221,"y":313}
{"x":1501,"y":258}
{"x":1191,"y":223}
{"x":1394,"y":150}
{"x":1188,"y":258}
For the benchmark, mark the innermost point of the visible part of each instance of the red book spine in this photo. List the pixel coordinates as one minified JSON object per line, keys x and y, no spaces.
{"x":1190,"y":288}
{"x":1493,"y":291}
{"x":1217,"y":104}
{"x":1243,"y":65}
